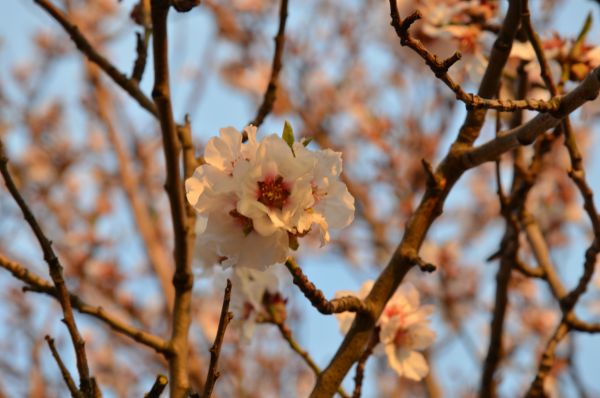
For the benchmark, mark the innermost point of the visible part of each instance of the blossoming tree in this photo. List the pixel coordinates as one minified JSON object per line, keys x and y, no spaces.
{"x":436,"y":157}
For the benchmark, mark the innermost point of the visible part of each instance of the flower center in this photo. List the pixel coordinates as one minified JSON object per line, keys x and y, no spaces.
{"x":403,"y":338}
{"x":273,"y":192}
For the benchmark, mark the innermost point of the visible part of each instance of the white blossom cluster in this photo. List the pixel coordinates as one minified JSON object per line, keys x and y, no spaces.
{"x":403,"y":330}
{"x":256,"y":198}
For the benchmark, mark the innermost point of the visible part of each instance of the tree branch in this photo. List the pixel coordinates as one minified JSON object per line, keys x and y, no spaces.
{"x":158,"y":387}
{"x":39,"y":285}
{"x":75,"y":393}
{"x":271,"y":92}
{"x":215,"y":350}
{"x":440,"y":70}
{"x":56,"y":273}
{"x":183,"y":227}
{"x":316,"y":297}
{"x":129,"y":85}
{"x":528,"y":132}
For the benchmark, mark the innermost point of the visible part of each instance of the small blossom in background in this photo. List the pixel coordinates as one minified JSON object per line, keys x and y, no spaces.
{"x":255,"y":199}
{"x":255,"y":297}
{"x":403,"y":330}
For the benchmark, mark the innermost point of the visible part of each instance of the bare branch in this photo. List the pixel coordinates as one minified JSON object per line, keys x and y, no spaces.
{"x":271,"y":92}
{"x":183,"y":227}
{"x":158,"y":387}
{"x":129,"y":85}
{"x":40,"y":285}
{"x":215,"y":350}
{"x":537,"y":386}
{"x":75,"y":393}
{"x":440,"y":70}
{"x":316,"y":297}
{"x":56,"y":273}
{"x":529,"y":131}
{"x":362,"y":361}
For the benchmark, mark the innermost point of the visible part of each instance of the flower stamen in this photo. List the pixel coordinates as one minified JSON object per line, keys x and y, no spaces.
{"x":273,"y":192}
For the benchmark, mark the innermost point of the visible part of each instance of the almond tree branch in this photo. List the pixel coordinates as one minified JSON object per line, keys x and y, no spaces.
{"x":40,"y":285}
{"x":158,"y":387}
{"x":509,"y":252}
{"x":577,"y":174}
{"x":56,"y":273}
{"x":536,"y":389}
{"x":183,"y":226}
{"x":448,"y":172}
{"x":141,"y":49}
{"x":536,"y":43}
{"x":271,"y":92}
{"x":215,"y":350}
{"x":509,"y":249}
{"x":440,"y":69}
{"x":360,"y":366}
{"x":541,"y":252}
{"x":490,"y":82}
{"x":129,"y":85}
{"x":316,"y":297}
{"x":528,"y":132}
{"x":75,"y":393}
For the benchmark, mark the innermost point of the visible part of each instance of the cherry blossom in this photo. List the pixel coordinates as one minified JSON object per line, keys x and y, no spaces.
{"x":255,"y":199}
{"x":403,"y":330}
{"x":253,"y":289}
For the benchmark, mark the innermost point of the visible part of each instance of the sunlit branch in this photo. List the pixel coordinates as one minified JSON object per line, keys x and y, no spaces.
{"x":362,"y":361}
{"x":183,"y":227}
{"x":271,"y":92}
{"x":528,"y":132}
{"x":129,"y":85}
{"x":158,"y":387}
{"x":56,"y":274}
{"x":75,"y":393}
{"x":440,"y":70}
{"x":537,"y":387}
{"x":215,"y":350}
{"x":158,"y":255}
{"x":39,"y":285}
{"x":316,"y":297}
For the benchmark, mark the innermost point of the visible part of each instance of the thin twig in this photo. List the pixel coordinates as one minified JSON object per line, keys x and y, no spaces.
{"x":141,"y":48}
{"x":509,"y":252}
{"x":75,"y":393}
{"x":215,"y":350}
{"x":90,"y":52}
{"x":529,"y":131}
{"x":537,"y":386}
{"x":40,"y":285}
{"x":316,"y":297}
{"x":440,"y":69}
{"x":362,"y":361}
{"x":271,"y":92}
{"x":158,"y":387}
{"x":56,"y":273}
